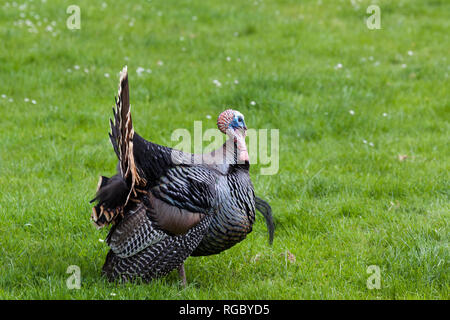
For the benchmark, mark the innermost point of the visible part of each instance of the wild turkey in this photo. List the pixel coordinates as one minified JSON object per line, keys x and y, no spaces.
{"x":165,"y":204}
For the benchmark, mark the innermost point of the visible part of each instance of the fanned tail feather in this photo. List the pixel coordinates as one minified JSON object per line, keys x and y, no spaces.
{"x":113,"y":194}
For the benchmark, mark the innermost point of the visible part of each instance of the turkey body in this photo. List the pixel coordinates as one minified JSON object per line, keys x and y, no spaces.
{"x":230,"y":196}
{"x":165,"y":205}
{"x":235,"y":213}
{"x":183,"y":209}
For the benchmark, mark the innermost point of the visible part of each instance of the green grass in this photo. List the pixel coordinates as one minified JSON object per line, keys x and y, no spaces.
{"x":340,"y":204}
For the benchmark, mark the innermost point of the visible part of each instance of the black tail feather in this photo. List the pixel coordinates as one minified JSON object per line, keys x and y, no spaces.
{"x":112,"y":192}
{"x":111,"y":195}
{"x":263,"y":207}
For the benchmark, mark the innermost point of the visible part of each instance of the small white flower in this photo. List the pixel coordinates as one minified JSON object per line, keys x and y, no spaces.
{"x":26,"y":99}
{"x":377,"y":63}
{"x":33,"y":101}
{"x":10,"y":100}
{"x":4,"y":96}
{"x":148,"y":70}
{"x":76,"y":67}
{"x":106,"y":75}
{"x":69,"y":70}
{"x":49,"y":28}
{"x":338,"y":66}
{"x":139,"y":70}
{"x":371,"y":144}
{"x":217,"y":83}
{"x":113,"y":294}
{"x":403,"y":65}
{"x":252,"y":103}
{"x":101,"y":240}
{"x":236,"y":81}
{"x":86,"y":70}
{"x":228,"y":59}
{"x":385,"y":114}
{"x":27,"y":225}
{"x":160,"y":63}
{"x":364,"y":141}
{"x":351,"y":112}
{"x":410,"y":53}
{"x":208,"y":116}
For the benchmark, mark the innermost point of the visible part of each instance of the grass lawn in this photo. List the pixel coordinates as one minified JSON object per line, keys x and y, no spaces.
{"x":364,"y":140}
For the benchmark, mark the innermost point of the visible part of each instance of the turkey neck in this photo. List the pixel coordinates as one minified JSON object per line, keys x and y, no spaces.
{"x":236,"y":142}
{"x":235,"y":151}
{"x":232,"y":153}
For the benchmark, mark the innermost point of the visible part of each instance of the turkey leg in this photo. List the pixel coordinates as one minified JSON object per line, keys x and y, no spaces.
{"x":182,"y":274}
